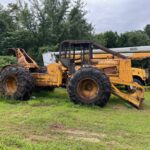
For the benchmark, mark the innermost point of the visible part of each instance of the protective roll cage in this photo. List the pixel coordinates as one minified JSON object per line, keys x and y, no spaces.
{"x":68,"y":48}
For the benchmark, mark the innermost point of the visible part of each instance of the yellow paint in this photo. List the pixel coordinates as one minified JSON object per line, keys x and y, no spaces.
{"x":25,"y":60}
{"x":118,"y":70}
{"x":53,"y":77}
{"x":101,"y":58}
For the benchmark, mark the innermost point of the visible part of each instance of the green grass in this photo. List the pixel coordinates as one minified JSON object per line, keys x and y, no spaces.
{"x":51,"y":121}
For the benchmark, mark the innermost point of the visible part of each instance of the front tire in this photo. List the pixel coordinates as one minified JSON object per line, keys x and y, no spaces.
{"x":89,"y":86}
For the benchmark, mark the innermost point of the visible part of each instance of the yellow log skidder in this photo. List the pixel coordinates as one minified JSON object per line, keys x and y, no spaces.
{"x":89,"y":81}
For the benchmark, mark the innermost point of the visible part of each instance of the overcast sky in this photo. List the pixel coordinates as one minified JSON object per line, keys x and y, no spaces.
{"x":115,"y":15}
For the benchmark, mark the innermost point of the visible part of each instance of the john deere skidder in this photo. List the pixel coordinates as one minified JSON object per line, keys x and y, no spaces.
{"x":88,"y":80}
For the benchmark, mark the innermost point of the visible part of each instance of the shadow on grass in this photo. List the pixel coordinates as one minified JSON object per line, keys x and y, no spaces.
{"x":60,"y":97}
{"x":42,"y":98}
{"x":11,"y":100}
{"x":118,"y":103}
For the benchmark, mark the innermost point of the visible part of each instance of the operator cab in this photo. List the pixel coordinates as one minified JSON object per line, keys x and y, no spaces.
{"x":80,"y":52}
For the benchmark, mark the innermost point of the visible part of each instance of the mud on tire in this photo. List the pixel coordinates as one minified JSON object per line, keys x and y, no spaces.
{"x":16,"y":83}
{"x":89,"y":86}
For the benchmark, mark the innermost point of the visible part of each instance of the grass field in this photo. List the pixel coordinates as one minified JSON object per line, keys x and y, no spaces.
{"x":51,"y":121}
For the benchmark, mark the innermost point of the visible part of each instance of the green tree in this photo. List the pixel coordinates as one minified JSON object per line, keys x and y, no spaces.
{"x":6,"y":25}
{"x":7,"y":60}
{"x":108,"y":39}
{"x":100,"y":38}
{"x":147,"y":29}
{"x":111,"y":39}
{"x":39,"y":25}
{"x":134,"y":38}
{"x":78,"y":27}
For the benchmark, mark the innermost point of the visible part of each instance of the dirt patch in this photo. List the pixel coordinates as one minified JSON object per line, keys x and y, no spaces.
{"x":57,"y":126}
{"x":37,"y":138}
{"x":87,"y":139}
{"x":57,"y":131}
{"x":80,"y":134}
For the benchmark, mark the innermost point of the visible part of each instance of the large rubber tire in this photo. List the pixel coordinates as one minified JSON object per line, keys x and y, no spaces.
{"x":16,"y":83}
{"x":89,"y":86}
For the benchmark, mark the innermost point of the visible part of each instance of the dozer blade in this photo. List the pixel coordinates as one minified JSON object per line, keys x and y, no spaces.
{"x":135,"y":97}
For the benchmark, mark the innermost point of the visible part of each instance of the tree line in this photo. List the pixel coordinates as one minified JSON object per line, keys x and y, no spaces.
{"x":40,"y":25}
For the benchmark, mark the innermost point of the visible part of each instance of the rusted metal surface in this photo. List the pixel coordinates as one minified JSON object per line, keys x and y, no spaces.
{"x":23,"y":58}
{"x":88,"y":89}
{"x":86,"y":43}
{"x":110,"y":51}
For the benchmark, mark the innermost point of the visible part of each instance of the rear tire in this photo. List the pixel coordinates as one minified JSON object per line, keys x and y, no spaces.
{"x":89,"y":86}
{"x":16,"y":83}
